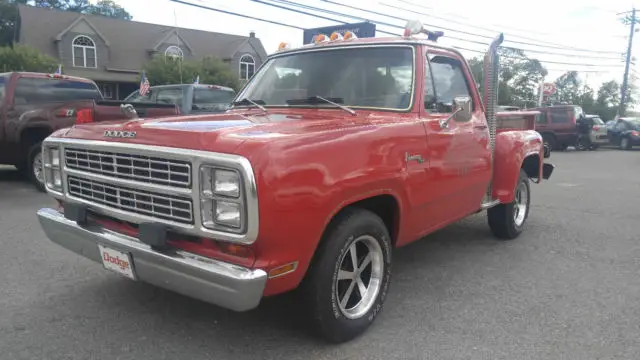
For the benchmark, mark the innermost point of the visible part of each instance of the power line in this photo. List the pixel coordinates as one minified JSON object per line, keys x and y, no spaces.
{"x":236,"y":14}
{"x":554,"y":46}
{"x":308,"y":7}
{"x":542,"y":61}
{"x":326,"y":18}
{"x":310,"y":14}
{"x":286,"y":2}
{"x":494,"y":24}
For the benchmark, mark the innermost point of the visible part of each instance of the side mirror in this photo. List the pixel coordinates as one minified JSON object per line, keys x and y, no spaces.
{"x":462,"y":112}
{"x":463,"y":108}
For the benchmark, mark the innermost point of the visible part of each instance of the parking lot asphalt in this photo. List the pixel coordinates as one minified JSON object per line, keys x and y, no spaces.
{"x":568,"y":288}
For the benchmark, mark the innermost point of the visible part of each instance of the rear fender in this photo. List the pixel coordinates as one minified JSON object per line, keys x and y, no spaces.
{"x":516,"y":150}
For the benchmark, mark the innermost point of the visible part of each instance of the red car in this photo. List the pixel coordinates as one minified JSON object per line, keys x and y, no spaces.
{"x":333,"y":155}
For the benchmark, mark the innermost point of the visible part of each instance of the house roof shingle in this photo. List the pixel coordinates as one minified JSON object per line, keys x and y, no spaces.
{"x":129,"y":41}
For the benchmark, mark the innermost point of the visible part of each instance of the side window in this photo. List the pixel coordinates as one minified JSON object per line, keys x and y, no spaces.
{"x":429,"y":91}
{"x":541,"y":118}
{"x":559,"y":116}
{"x":449,"y":81}
{"x":44,"y":90}
{"x":170,"y":96}
{"x":621,"y":126}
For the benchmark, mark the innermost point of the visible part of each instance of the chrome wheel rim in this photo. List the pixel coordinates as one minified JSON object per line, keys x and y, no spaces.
{"x":624,"y":142}
{"x":520,"y":204}
{"x":359,"y":277}
{"x":37,"y":168}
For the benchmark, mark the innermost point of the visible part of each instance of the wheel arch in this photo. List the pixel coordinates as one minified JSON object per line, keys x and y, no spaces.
{"x":384,"y":203}
{"x":31,"y":135}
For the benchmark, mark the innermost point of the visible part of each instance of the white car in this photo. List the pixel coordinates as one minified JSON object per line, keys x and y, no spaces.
{"x":598,"y":131}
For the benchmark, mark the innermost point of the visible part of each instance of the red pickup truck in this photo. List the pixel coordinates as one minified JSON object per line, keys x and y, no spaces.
{"x":333,"y":155}
{"x":34,"y":105}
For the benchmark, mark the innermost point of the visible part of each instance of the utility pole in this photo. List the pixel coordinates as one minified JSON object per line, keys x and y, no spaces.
{"x":625,"y":81}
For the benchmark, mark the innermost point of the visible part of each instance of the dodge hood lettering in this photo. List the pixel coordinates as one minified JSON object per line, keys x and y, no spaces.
{"x":119,"y":134}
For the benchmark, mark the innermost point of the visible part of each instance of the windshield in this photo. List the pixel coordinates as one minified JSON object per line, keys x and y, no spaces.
{"x":3,"y":79}
{"x":212,"y":98}
{"x":635,"y":124}
{"x":597,"y":121}
{"x":378,"y":77}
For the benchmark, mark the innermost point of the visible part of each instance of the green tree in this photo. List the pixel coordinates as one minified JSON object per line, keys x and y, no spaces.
{"x":568,"y":88}
{"x":25,"y":58}
{"x":103,"y":7}
{"x":518,"y":80}
{"x":162,"y":70}
{"x":8,"y":18}
{"x":108,"y":8}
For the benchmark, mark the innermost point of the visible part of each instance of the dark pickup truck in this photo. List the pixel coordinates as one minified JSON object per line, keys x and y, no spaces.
{"x":34,"y":105}
{"x":190,"y":98}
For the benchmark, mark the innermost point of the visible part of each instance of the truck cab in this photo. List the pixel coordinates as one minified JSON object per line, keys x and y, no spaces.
{"x":333,"y":155}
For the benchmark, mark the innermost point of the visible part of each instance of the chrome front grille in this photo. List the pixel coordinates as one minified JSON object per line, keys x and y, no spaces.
{"x":141,"y":202}
{"x":147,"y":169}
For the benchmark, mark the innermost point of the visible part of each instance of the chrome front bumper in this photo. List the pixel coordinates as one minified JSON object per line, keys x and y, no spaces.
{"x":223,"y":284}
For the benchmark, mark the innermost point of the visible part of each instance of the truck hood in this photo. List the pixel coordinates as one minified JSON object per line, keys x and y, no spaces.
{"x":221,"y":132}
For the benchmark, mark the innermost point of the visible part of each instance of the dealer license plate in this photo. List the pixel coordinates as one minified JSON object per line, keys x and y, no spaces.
{"x":117,"y":261}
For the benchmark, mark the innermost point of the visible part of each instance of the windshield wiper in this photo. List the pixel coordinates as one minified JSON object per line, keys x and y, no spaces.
{"x":256,"y":103}
{"x":314,"y":100}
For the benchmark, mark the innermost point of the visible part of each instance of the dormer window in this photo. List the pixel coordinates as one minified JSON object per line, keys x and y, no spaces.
{"x":84,"y":52}
{"x":174,"y":52}
{"x":247,"y":67}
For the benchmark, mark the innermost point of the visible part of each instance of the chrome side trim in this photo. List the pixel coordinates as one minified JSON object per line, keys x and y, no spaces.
{"x":197,"y":158}
{"x":490,"y":204}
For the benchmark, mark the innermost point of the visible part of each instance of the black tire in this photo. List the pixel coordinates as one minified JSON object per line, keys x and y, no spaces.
{"x":502,"y":218}
{"x":550,"y":140}
{"x":320,"y":287}
{"x":33,"y":154}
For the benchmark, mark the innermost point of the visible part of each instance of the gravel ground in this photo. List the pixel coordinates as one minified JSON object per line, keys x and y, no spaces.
{"x":568,"y":288}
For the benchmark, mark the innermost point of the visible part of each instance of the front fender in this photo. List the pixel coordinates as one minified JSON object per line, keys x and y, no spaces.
{"x":515,"y":150}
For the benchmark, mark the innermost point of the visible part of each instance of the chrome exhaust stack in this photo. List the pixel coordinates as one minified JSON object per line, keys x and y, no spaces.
{"x":490,"y":98}
{"x":490,"y":92}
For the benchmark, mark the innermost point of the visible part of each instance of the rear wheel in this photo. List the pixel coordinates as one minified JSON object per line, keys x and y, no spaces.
{"x":348,"y":280}
{"x":507,"y":220}
{"x":34,"y":166}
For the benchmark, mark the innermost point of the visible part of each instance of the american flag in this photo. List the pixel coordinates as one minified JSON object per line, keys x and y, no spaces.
{"x":144,"y":84}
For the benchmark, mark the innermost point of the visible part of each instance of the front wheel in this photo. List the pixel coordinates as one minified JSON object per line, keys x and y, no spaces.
{"x":34,"y":166}
{"x":349,"y":278}
{"x":507,"y":220}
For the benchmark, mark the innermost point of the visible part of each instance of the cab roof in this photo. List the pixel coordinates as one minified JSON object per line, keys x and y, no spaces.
{"x":397,"y":40}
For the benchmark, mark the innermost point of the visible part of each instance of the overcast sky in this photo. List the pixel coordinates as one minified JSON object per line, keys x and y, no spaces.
{"x":548,"y":27}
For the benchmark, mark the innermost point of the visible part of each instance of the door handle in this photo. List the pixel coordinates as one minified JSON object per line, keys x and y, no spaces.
{"x":480,"y":127}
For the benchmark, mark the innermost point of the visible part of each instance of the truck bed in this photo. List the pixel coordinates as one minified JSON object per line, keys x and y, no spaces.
{"x":110,"y":110}
{"x":516,"y":120}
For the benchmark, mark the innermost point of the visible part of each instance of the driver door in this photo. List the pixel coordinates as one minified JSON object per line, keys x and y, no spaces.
{"x":459,"y":153}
